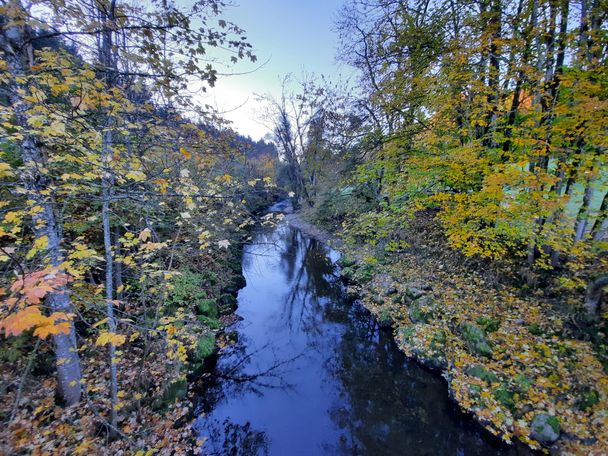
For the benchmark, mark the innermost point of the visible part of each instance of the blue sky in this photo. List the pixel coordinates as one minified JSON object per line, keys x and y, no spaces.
{"x":295,"y":35}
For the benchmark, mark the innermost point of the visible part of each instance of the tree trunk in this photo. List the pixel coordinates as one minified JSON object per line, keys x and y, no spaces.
{"x":495,"y":27}
{"x":107,"y":182}
{"x":582,"y":219}
{"x":593,"y":299}
{"x":118,"y":282}
{"x":521,"y":76}
{"x":599,"y":229}
{"x":19,"y":56}
{"x":109,"y":282}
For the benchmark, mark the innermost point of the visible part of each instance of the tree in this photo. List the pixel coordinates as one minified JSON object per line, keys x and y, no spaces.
{"x":513,"y":153}
{"x":18,"y":55}
{"x":89,"y":124}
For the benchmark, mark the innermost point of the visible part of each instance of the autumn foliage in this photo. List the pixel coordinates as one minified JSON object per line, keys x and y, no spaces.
{"x":23,"y":311}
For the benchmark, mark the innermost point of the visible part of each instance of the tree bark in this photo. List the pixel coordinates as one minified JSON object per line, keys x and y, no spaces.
{"x":107,"y":182}
{"x":595,"y":291}
{"x":582,"y":219}
{"x":19,"y":55}
{"x":599,"y":229}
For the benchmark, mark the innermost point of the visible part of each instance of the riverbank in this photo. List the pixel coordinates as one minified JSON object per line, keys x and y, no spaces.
{"x":509,"y":360}
{"x":158,"y":380}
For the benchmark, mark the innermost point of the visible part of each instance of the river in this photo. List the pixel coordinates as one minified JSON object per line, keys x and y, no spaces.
{"x":311,"y":373}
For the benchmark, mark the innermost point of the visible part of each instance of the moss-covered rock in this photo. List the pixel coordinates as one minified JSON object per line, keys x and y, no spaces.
{"x":587,"y":398}
{"x":211,"y":323}
{"x":422,"y":310}
{"x":412,"y":293}
{"x":205,"y":347}
{"x":236,"y":283}
{"x":172,"y":393}
{"x":475,"y":390}
{"x":207,"y":308}
{"x":475,"y":339}
{"x":438,"y":341}
{"x":228,"y":302}
{"x":364,"y":274}
{"x":535,"y":329}
{"x":522,"y":383}
{"x":481,"y":373}
{"x":406,"y":333}
{"x":545,"y":428}
{"x":385,"y":317}
{"x":505,"y":396}
{"x":488,"y":324}
{"x":348,"y":273}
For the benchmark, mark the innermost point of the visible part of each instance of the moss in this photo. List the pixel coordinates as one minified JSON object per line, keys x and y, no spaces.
{"x":346,"y":261}
{"x":385,"y":318}
{"x":535,"y":329}
{"x":348,"y":273}
{"x":553,"y":421}
{"x":210,"y":277}
{"x":207,"y":308}
{"x":482,"y":373}
{"x":588,"y":398}
{"x":174,"y":392}
{"x":205,"y":347}
{"x":365,"y":274}
{"x":228,"y":302}
{"x":523,"y":383}
{"x":422,"y":310}
{"x":406,"y":333}
{"x":505,"y":397}
{"x":475,"y":390}
{"x":211,"y":323}
{"x":438,"y":341}
{"x":187,"y":289}
{"x":545,"y":428}
{"x":475,"y":339}
{"x":489,"y":325}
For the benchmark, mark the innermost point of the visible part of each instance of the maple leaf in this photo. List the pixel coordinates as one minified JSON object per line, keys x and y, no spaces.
{"x":23,"y":320}
{"x":145,"y":234}
{"x":223,"y":244}
{"x":54,"y":328}
{"x":106,"y":337}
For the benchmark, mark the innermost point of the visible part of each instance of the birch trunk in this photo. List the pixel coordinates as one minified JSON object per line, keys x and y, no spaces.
{"x":15,"y":43}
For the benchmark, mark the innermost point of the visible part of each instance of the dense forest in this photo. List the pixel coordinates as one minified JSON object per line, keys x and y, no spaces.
{"x":463,"y":175}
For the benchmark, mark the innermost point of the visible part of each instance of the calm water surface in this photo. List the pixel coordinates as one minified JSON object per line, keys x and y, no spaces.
{"x":312,"y":374}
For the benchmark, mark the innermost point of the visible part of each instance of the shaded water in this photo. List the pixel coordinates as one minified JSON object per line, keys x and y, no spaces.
{"x":312,"y":374}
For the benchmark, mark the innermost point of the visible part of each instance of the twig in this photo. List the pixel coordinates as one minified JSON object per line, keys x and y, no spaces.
{"x":26,"y":373}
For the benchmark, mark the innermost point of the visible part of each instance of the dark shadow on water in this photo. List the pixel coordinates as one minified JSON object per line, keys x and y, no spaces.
{"x":313,"y":374}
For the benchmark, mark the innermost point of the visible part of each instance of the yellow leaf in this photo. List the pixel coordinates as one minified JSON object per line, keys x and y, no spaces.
{"x":100,"y":322}
{"x":12,"y":217}
{"x":107,"y":337}
{"x":5,"y":170}
{"x":145,"y":235}
{"x":185,"y":153}
{"x":39,"y":244}
{"x":137,"y":176}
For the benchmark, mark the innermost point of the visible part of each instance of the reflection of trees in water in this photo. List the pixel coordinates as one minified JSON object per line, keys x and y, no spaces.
{"x":234,"y":375}
{"x":234,"y":378}
{"x":313,"y":283}
{"x":390,"y":404}
{"x":233,"y":439}
{"x":382,"y":404}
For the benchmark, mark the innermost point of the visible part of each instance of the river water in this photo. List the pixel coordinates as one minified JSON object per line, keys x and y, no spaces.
{"x":312,"y":374}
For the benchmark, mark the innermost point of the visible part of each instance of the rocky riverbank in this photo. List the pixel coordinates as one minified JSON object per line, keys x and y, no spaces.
{"x":508,"y":360}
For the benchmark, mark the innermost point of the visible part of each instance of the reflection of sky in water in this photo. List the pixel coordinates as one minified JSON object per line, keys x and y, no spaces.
{"x":312,"y":374}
